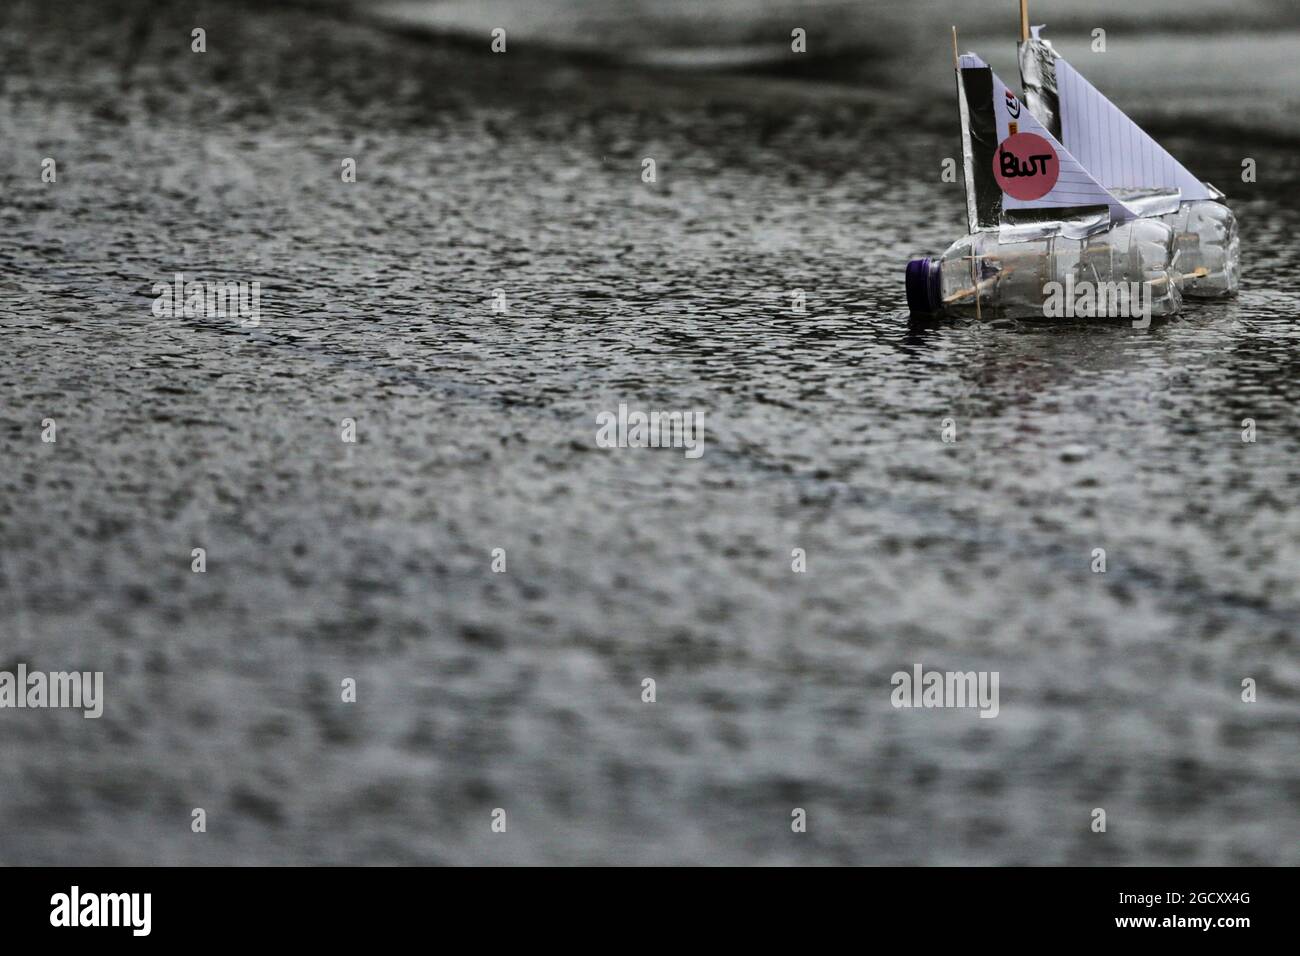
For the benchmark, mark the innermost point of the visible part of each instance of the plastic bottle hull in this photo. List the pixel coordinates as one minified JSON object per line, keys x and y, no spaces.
{"x":1122,"y":273}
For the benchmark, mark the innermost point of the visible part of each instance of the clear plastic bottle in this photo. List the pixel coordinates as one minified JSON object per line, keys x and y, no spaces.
{"x":1206,"y":248}
{"x":1052,"y":278}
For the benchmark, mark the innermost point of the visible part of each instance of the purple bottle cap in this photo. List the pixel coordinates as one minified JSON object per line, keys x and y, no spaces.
{"x":922,"y":281}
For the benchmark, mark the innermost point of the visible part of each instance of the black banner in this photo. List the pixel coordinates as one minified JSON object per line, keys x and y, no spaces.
{"x":333,"y":906}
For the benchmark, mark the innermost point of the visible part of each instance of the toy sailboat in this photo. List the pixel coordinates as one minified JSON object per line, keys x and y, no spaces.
{"x":1055,"y":197}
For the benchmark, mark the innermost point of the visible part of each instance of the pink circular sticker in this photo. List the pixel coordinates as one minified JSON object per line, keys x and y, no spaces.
{"x":1026,"y":166}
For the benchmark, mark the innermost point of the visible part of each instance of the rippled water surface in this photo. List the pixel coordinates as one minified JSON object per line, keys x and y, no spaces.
{"x":477,"y":431}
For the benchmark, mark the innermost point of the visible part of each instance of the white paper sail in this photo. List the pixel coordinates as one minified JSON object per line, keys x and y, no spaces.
{"x":1112,"y":147}
{"x":1076,"y":203}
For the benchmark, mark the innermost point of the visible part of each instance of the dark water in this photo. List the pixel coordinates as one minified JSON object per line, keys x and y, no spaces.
{"x":522,"y":690}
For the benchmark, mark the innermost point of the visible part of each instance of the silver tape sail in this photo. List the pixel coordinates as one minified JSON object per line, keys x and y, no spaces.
{"x":979,"y":141}
{"x":1038,"y":79}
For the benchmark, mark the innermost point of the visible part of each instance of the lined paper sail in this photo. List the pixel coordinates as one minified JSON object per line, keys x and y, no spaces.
{"x":1109,"y":145}
{"x":1020,"y":179}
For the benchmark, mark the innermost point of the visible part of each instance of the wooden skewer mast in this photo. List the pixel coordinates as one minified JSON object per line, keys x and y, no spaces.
{"x":1024,"y":20}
